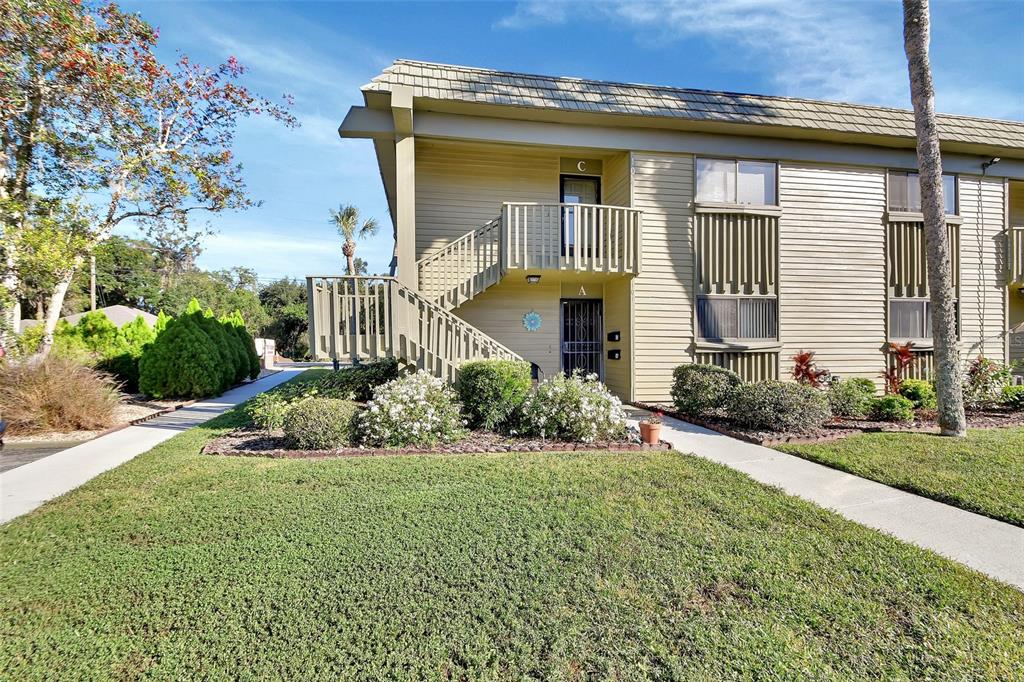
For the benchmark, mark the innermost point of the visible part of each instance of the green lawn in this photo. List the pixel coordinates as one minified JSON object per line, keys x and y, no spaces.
{"x":551,"y":566}
{"x":983,"y":472}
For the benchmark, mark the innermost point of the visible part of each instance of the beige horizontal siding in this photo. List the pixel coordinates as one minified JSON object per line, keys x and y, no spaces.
{"x":461,"y":186}
{"x":615,"y":188}
{"x":663,"y":293}
{"x":618,"y":373}
{"x":982,"y":280}
{"x":832,"y":292}
{"x":498,"y":312}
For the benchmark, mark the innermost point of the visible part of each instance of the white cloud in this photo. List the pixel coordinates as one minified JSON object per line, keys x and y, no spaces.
{"x":843,"y":51}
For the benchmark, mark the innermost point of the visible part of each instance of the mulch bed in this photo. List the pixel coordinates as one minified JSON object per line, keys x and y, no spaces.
{"x":842,"y":428}
{"x":251,"y":442}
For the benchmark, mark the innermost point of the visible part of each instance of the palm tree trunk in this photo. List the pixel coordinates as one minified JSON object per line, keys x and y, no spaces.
{"x":952,"y":420}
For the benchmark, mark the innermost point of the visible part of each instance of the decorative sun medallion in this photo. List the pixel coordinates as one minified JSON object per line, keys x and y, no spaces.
{"x":532,"y":321}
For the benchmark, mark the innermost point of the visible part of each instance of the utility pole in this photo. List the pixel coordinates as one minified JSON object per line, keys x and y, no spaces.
{"x":92,"y":282}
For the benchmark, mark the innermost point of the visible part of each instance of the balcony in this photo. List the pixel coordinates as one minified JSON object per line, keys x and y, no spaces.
{"x":534,"y":238}
{"x":573,"y":237}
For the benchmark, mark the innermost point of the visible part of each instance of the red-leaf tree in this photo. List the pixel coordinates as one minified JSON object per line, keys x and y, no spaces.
{"x":163,"y":151}
{"x":154,"y":141}
{"x":57,"y":59}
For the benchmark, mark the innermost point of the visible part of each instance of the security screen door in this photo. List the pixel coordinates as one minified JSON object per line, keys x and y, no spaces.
{"x":582,"y":334}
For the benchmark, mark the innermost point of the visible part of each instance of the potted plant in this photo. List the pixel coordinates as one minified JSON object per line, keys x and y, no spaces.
{"x":650,"y":428}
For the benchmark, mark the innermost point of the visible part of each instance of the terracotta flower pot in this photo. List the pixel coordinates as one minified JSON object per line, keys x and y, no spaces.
{"x":650,"y":433}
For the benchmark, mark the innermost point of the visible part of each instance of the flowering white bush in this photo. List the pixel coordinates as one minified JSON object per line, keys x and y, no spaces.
{"x":575,"y":408}
{"x":416,"y":409}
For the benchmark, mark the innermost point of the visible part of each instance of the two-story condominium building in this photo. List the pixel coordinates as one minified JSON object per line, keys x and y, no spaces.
{"x":626,"y":229}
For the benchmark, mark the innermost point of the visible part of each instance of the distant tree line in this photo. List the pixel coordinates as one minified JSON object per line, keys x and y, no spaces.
{"x":144,"y":275}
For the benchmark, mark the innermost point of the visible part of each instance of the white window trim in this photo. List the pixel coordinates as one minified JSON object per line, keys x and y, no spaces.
{"x":917,"y":216}
{"x":718,"y":207}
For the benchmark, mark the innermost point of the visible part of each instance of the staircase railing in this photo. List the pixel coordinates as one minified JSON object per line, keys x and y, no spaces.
{"x":463,"y":268}
{"x":363,"y":318}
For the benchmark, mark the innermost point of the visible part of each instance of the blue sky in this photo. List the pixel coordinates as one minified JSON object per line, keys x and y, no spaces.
{"x":321,"y":52}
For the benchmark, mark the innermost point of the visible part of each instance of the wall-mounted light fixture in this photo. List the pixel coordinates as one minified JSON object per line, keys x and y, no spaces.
{"x":988,"y":164}
{"x":614,"y":337}
{"x":533,"y":279}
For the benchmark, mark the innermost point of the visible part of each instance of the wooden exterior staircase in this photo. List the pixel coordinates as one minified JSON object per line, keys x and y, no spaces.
{"x":365,"y":318}
{"x":369,"y":318}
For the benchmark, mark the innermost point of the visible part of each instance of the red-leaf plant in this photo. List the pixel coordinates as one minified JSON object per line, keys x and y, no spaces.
{"x":901,"y":358}
{"x":806,"y":371}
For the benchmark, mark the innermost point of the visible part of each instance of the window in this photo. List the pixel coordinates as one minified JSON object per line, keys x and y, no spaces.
{"x":728,"y":181}
{"x":905,"y":192}
{"x":736,"y":317}
{"x":910,"y":318}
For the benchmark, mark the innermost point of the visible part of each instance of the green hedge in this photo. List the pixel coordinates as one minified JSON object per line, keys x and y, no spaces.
{"x":701,"y":390}
{"x":320,"y":423}
{"x":181,"y":363}
{"x":777,"y":406}
{"x":357,"y":382}
{"x":851,"y":397}
{"x":893,"y":408}
{"x":919,"y":392}
{"x":492,"y":392}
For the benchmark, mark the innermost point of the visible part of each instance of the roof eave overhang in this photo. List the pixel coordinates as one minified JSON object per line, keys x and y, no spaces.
{"x":380,"y":101}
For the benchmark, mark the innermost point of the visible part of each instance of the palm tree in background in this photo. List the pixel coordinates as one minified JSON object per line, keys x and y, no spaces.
{"x":346,"y":220}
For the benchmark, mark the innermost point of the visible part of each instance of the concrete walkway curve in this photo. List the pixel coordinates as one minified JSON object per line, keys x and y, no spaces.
{"x":26,"y":487}
{"x":986,"y":545}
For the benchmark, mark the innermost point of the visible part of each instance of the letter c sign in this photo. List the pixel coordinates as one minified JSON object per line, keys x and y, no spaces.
{"x":581,"y":166}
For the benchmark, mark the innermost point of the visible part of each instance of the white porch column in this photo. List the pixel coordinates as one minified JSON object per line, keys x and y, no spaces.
{"x":405,"y":185}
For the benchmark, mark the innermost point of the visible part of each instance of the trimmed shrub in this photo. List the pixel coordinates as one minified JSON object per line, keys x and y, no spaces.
{"x":235,"y":346}
{"x":851,"y":397}
{"x":359,"y":382}
{"x":492,"y":392}
{"x":984,"y":382}
{"x":574,"y":408}
{"x":1012,"y":397}
{"x":221,"y":346}
{"x":56,"y":394}
{"x":133,"y":338}
{"x":181,"y":363}
{"x":268,"y":410}
{"x":919,"y":392}
{"x":99,"y":334}
{"x":320,"y":423}
{"x":782,"y":407}
{"x":416,"y":409}
{"x":893,"y":408}
{"x":701,"y":390}
{"x":237,"y":326}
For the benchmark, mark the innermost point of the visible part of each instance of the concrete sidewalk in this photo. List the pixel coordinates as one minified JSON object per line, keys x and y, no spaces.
{"x":26,"y":487}
{"x":987,"y":545}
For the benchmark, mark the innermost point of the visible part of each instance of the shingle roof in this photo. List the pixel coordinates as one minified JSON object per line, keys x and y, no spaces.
{"x":485,"y":86}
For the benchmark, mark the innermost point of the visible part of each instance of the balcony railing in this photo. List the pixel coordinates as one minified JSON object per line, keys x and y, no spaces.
{"x":534,"y":237}
{"x":1015,"y":253}
{"x":578,"y":237}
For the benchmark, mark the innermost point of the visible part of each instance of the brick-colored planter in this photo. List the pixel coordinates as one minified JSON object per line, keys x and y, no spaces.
{"x":235,"y":445}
